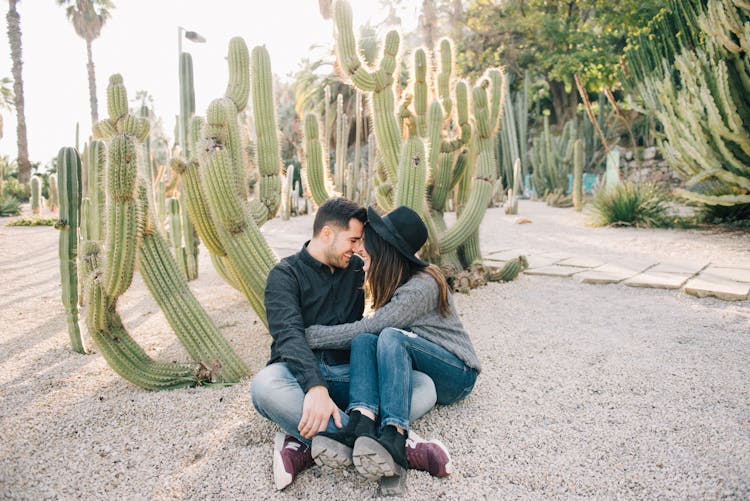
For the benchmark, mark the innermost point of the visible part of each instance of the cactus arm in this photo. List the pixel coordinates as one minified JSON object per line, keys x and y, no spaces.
{"x":317,"y":175}
{"x":267,"y":151}
{"x":122,"y":230}
{"x":238,"y":86}
{"x":69,"y":187}
{"x":420,"y":91}
{"x":188,"y":319}
{"x":444,"y":77}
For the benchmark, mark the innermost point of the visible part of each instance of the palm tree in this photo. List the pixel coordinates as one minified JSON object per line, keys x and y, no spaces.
{"x":88,"y":18}
{"x":14,"y":38}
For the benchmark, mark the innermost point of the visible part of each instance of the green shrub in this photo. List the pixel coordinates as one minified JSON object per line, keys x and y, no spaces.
{"x":9,"y":205}
{"x":20,"y":192}
{"x":643,"y":205}
{"x":34,"y":221}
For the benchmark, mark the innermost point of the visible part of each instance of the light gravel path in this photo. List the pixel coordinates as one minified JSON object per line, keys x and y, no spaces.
{"x":587,"y":391}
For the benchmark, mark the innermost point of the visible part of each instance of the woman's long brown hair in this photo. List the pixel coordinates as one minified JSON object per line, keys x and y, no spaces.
{"x":389,"y":270}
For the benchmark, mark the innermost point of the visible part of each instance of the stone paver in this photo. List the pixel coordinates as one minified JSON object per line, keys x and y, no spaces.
{"x":699,"y":278}
{"x":722,"y":273}
{"x":538,"y":261}
{"x":686,"y":267}
{"x":722,"y":289}
{"x":602,"y":277}
{"x":582,"y":262}
{"x":658,"y":280}
{"x":555,"y":270}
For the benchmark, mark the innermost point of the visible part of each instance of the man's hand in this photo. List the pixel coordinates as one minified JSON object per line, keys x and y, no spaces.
{"x":316,"y":409}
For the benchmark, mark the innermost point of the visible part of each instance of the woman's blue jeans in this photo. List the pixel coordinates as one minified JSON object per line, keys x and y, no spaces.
{"x":382,"y":368}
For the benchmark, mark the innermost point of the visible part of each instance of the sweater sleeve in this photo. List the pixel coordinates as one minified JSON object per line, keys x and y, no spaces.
{"x":411,"y":301}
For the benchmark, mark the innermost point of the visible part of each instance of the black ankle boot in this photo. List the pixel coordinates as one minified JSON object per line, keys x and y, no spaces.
{"x":384,"y":456}
{"x":334,"y":449}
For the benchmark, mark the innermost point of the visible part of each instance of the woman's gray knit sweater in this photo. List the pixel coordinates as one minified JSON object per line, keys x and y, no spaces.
{"x":414,"y":308}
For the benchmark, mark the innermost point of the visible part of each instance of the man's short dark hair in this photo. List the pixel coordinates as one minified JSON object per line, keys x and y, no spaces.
{"x":337,"y":212}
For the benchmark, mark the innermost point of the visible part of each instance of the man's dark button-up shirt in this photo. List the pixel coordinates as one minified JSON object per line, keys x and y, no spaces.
{"x":301,"y":291}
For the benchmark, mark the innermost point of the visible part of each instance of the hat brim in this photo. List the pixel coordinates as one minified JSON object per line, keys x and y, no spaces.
{"x":387,"y":232}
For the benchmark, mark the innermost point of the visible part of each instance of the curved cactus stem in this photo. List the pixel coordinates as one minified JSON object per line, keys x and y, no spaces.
{"x":193,"y":326}
{"x":69,"y":187}
{"x":267,"y":150}
{"x":224,"y":268}
{"x":238,"y":86}
{"x":317,"y":178}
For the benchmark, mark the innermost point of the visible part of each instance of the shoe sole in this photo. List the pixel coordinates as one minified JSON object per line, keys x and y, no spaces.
{"x":373,"y":461}
{"x":330,"y":453}
{"x":281,"y":478}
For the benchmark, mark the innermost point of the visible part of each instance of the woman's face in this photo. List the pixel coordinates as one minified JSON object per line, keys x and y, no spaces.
{"x":363,"y":253}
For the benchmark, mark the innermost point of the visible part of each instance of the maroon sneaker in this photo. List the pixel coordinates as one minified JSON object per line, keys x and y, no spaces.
{"x":428,"y":455}
{"x":290,"y":457}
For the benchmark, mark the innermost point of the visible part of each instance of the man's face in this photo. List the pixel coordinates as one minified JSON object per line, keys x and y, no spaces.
{"x":343,"y":243}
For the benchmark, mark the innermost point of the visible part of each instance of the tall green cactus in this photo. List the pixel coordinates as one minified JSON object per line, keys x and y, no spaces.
{"x":422,"y":169}
{"x":69,"y":188}
{"x":54,"y":200}
{"x":216,"y":196}
{"x":36,"y":194}
{"x":132,"y":238}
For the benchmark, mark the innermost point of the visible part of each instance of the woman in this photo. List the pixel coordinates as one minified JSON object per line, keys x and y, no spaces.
{"x":414,"y":327}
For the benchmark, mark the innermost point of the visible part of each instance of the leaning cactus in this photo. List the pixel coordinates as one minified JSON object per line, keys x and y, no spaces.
{"x":69,"y":188}
{"x":132,"y":239}
{"x":215,"y":185}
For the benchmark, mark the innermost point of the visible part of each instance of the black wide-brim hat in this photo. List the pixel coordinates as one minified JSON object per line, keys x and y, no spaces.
{"x":403,"y":229}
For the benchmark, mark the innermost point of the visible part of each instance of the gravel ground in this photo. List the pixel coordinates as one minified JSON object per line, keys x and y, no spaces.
{"x":587,"y":391}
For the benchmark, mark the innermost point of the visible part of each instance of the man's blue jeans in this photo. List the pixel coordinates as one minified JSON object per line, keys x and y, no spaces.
{"x":382,"y":369}
{"x":277,"y":395}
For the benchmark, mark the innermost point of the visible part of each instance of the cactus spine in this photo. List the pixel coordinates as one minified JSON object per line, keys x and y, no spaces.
{"x":69,"y":187}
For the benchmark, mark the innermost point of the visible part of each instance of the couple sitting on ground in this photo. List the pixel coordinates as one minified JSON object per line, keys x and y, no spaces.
{"x":386,"y":370}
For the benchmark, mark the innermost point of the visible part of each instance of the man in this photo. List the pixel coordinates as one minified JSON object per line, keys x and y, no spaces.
{"x":302,"y":390}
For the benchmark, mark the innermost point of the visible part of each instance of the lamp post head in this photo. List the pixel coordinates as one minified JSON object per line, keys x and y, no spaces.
{"x":194,"y":37}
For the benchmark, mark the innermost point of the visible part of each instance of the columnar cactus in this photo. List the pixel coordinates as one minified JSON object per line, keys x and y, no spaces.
{"x":36,"y":194}
{"x":69,"y":188}
{"x":132,"y":238}
{"x":54,"y":201}
{"x":421,"y":169}
{"x":215,"y":186}
{"x":578,"y":175}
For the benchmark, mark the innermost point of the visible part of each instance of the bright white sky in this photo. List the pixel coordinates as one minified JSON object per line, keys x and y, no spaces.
{"x":140,"y":42}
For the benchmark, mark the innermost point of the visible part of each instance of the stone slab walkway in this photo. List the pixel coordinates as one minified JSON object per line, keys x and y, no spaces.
{"x":698,"y":278}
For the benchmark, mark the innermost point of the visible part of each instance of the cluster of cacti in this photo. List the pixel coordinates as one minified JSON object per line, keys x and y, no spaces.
{"x":215,"y":184}
{"x":443,"y":147}
{"x":697,"y":85}
{"x":513,"y":137}
{"x":68,"y":185}
{"x":132,"y":238}
{"x":552,"y":159}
